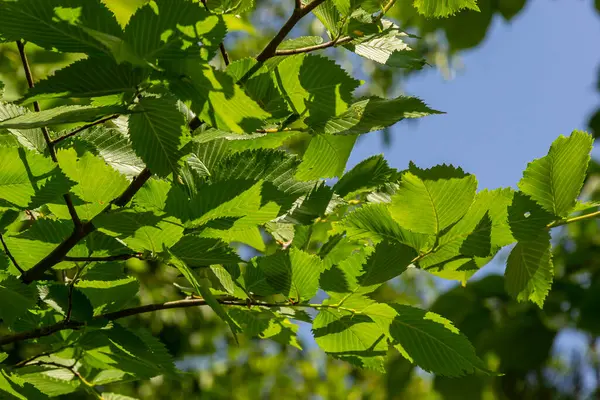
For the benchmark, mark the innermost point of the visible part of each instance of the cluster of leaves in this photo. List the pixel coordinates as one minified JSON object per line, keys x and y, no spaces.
{"x":165,"y":158}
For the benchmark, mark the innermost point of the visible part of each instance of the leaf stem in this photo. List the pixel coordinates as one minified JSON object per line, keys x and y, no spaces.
{"x":307,"y":49}
{"x":36,"y":107}
{"x":566,"y":221}
{"x":9,"y":254}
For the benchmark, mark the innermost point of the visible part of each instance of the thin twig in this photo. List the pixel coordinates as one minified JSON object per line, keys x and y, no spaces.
{"x":128,"y":312}
{"x":566,"y":221}
{"x":36,"y":107}
{"x":10,"y":256}
{"x":307,"y":49}
{"x":222,"y":44}
{"x":298,"y":13}
{"x":75,"y":373}
{"x":118,"y":257}
{"x":83,"y":128}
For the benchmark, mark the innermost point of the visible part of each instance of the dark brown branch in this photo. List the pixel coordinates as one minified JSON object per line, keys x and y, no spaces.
{"x":36,"y":107}
{"x":9,"y":254}
{"x":128,"y":312}
{"x":118,"y":257}
{"x":308,"y":49}
{"x":298,"y":13}
{"x":60,"y":252}
{"x":83,"y":128}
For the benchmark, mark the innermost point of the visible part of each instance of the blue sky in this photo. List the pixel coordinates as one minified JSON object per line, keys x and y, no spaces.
{"x":530,"y":81}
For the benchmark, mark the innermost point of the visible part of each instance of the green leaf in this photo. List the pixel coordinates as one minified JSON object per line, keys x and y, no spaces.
{"x":158,"y":133}
{"x":202,"y":287}
{"x":114,"y":147}
{"x":329,"y":17}
{"x":230,"y":6}
{"x":91,"y":77}
{"x":529,"y":270}
{"x":325,"y":157}
{"x":352,"y":337}
{"x":427,"y":339}
{"x":374,"y":221}
{"x":293,"y":273}
{"x":62,"y":115}
{"x":214,"y":97}
{"x":31,"y":139}
{"x":62,"y":298}
{"x":27,"y":180}
{"x":266,"y":324}
{"x":141,"y":231}
{"x":174,"y":29}
{"x":316,"y":85}
{"x":364,"y":271}
{"x":97,"y":193}
{"x":367,"y":174}
{"x":443,"y":8}
{"x":387,"y":47}
{"x":429,"y":201}
{"x":202,"y":252}
{"x":555,"y":180}
{"x":20,"y":297}
{"x":107,"y":296}
{"x":58,"y":24}
{"x":374,"y":113}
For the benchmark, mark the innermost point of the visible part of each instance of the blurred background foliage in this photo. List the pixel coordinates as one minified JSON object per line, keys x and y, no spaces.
{"x":519,"y":338}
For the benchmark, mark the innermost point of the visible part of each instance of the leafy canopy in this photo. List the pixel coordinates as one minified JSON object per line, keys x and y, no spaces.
{"x":161,"y":156}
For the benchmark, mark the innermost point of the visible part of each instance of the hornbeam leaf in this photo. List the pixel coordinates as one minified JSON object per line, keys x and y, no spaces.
{"x":58,"y":24}
{"x":214,"y":97}
{"x":202,"y":252}
{"x":529,"y":270}
{"x":387,"y":47}
{"x":174,"y":29}
{"x":31,"y":139}
{"x":20,"y":297}
{"x":443,"y":8}
{"x":293,"y":273}
{"x":367,"y":174}
{"x":316,"y":85}
{"x":96,"y":193}
{"x":28,"y":179}
{"x":325,"y":157}
{"x":92,"y":77}
{"x":355,"y":338}
{"x":158,"y":133}
{"x":427,"y":339}
{"x":555,"y":180}
{"x":374,"y":113}
{"x":62,"y":115}
{"x":374,"y":221}
{"x":429,"y":201}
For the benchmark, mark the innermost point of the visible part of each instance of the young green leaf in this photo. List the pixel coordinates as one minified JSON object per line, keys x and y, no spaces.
{"x":325,"y":157}
{"x":443,"y":8}
{"x":158,"y":133}
{"x":429,"y":201}
{"x":529,"y":270}
{"x":555,"y":180}
{"x":62,"y":115}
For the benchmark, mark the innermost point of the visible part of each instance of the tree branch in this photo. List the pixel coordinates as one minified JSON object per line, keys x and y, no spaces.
{"x":128,"y":312}
{"x":60,"y":252}
{"x":83,"y":128}
{"x":299,"y":12}
{"x":222,"y":44}
{"x":36,"y":107}
{"x":308,"y":49}
{"x":9,"y":254}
